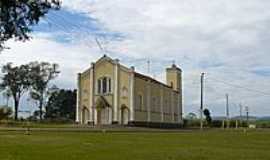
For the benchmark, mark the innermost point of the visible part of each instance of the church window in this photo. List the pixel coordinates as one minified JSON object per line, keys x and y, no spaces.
{"x":154,"y":104}
{"x":140,"y":102}
{"x":104,"y":85}
{"x":99,"y":86}
{"x":110,"y":86}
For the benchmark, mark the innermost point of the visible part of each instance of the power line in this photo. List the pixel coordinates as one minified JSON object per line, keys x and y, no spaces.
{"x":239,"y":86}
{"x":61,"y":18}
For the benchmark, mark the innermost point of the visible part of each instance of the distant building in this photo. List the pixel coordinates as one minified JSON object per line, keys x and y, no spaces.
{"x":110,"y":93}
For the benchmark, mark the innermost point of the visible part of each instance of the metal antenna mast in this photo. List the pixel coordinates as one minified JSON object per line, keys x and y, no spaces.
{"x":99,"y":44}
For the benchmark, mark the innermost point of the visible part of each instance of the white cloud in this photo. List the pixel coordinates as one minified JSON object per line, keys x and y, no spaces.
{"x":71,"y":58}
{"x":224,"y":38}
{"x":227,"y":39}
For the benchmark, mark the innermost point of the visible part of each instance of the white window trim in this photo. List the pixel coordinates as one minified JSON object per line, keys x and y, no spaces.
{"x":109,"y":85}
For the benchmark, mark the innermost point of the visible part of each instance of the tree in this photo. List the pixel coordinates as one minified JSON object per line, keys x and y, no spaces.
{"x":61,"y":105}
{"x":207,"y":115}
{"x":15,"y":81}
{"x":41,"y":75}
{"x":191,"y":116}
{"x":17,"y":17}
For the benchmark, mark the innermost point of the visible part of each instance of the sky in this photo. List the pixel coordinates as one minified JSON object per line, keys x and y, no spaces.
{"x":226,"y":39}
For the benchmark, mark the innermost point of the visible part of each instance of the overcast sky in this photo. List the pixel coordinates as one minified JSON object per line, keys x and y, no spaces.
{"x":226,"y":39}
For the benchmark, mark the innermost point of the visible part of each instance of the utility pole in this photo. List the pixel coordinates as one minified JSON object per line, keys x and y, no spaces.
{"x":227,"y":111}
{"x":201,"y":108}
{"x":247,"y":111}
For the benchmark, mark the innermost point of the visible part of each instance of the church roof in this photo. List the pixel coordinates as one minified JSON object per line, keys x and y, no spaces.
{"x":145,"y":77}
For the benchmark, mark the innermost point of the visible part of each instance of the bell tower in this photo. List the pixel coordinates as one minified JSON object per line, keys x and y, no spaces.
{"x":174,"y":77}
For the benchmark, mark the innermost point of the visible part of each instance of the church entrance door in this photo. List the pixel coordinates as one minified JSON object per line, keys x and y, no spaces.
{"x":124,"y":115}
{"x":85,"y":115}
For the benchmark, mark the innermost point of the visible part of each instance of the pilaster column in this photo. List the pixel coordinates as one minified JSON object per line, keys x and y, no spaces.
{"x":92,"y":93}
{"x":161,"y":105}
{"x":78,"y":103}
{"x":172,"y":105}
{"x":149,"y":101}
{"x":116,"y":91}
{"x":180,"y":102}
{"x":131,"y":93}
{"x":95,"y":117}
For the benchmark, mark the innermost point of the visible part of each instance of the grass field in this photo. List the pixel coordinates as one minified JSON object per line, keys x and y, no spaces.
{"x":185,"y":145}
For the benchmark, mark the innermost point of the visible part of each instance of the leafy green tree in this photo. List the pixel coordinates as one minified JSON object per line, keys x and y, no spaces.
{"x":15,"y":81}
{"x":191,"y":116}
{"x":35,"y":116}
{"x":61,"y":105}
{"x":41,"y":74}
{"x":207,"y":115}
{"x":17,"y":17}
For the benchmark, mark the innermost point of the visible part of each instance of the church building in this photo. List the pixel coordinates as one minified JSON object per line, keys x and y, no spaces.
{"x":111,"y":93}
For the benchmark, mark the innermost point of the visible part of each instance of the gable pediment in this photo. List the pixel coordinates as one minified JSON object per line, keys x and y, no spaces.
{"x":105,"y":59}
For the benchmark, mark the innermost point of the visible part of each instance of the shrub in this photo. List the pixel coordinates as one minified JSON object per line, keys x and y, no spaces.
{"x":191,"y":123}
{"x":216,"y":123}
{"x":5,"y":113}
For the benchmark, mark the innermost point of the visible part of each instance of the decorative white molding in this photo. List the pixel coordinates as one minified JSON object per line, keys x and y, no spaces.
{"x":95,"y":116}
{"x":92,"y":93}
{"x":149,"y":101}
{"x":131,"y":91}
{"x":180,"y":100}
{"x":116,"y":87}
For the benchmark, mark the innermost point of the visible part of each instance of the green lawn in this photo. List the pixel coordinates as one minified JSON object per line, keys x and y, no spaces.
{"x":196,"y":145}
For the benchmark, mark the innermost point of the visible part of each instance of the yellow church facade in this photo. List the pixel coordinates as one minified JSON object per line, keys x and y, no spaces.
{"x":111,"y":93}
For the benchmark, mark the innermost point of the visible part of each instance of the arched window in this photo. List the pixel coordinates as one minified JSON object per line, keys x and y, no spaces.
{"x":110,"y":83}
{"x":140,"y":102}
{"x":104,"y":85}
{"x":99,"y":86}
{"x":124,"y":92}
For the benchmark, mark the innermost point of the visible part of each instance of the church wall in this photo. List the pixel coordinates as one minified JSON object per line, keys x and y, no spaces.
{"x":124,"y":88}
{"x":169,"y":104}
{"x":163,"y":102}
{"x":104,"y":68}
{"x":155,"y":117}
{"x":176,"y":105}
{"x":85,"y":89}
{"x":140,"y":116}
{"x":140,"y":86}
{"x":155,"y":102}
